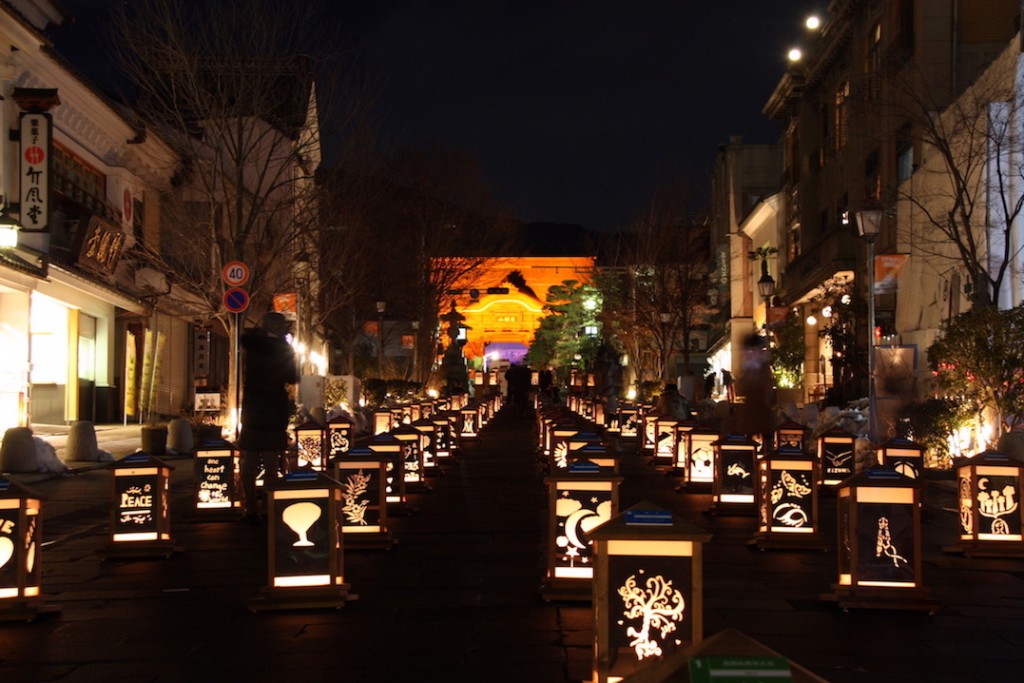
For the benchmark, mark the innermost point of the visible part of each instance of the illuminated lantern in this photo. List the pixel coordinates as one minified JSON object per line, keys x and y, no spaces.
{"x":665,"y":440}
{"x":648,"y":590}
{"x":677,"y":463}
{"x":597,"y":453}
{"x":309,"y":452}
{"x":412,"y":456}
{"x":991,"y":521}
{"x":391,"y":449}
{"x":903,"y":455}
{"x":836,"y":452}
{"x":140,"y":511}
{"x":648,"y":430}
{"x":399,"y":416}
{"x":415,"y":412}
{"x":468,"y":422}
{"x":339,"y":436}
{"x":454,"y":419}
{"x":560,"y":435}
{"x":443,"y":435}
{"x":787,"y":500}
{"x":218,"y":491}
{"x":364,"y":507}
{"x":580,"y":498}
{"x":733,"y":489}
{"x":428,"y":444}
{"x":598,"y":414}
{"x":629,"y":418}
{"x":426,"y":409}
{"x":381,"y":421}
{"x":305,"y":558}
{"x":879,"y":542}
{"x":695,"y":456}
{"x":582,"y":439}
{"x":483,"y":414}
{"x":20,"y":550}
{"x":790,"y":435}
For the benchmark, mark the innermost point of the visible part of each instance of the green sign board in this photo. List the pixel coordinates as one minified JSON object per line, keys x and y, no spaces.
{"x":735,"y":669}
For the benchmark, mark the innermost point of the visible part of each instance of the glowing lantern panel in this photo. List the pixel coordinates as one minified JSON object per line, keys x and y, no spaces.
{"x":217,"y":485}
{"x":20,"y":543}
{"x":309,"y":453}
{"x":836,"y":453}
{"x":991,"y":521}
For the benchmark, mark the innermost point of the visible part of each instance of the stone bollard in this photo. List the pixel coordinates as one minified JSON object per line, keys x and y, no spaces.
{"x":81,"y":443}
{"x":179,"y":435}
{"x":18,"y":451}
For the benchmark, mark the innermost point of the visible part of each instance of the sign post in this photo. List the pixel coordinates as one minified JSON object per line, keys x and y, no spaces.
{"x":235,"y":274}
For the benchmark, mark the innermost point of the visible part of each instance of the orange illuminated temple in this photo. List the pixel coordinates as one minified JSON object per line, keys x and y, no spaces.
{"x":509,"y":319}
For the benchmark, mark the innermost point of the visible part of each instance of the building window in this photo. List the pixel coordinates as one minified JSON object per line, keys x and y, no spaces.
{"x":841,"y":114}
{"x":81,"y":183}
{"x":904,"y":153}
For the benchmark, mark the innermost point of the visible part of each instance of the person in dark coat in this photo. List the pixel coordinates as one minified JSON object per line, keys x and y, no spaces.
{"x":269,"y":371}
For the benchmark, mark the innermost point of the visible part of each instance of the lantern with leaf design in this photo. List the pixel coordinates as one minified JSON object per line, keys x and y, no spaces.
{"x":364,"y":507}
{"x":648,"y":590}
{"x":309,"y":447}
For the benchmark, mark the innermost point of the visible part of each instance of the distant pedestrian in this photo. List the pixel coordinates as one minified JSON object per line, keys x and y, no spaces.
{"x":518,"y":378}
{"x":672,"y":403}
{"x":730,"y":391}
{"x":755,"y":416}
{"x":270,"y":371}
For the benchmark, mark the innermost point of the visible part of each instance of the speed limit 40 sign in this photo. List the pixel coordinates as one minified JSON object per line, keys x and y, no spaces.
{"x":235,"y":273}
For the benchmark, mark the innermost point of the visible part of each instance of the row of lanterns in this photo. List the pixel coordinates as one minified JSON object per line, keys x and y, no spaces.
{"x":333,"y":489}
{"x":879,"y":519}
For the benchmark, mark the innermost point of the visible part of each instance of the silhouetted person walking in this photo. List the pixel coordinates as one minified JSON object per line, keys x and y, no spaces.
{"x":270,"y":369}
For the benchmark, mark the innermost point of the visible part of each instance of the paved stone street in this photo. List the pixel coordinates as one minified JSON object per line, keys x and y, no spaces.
{"x":458,"y":597}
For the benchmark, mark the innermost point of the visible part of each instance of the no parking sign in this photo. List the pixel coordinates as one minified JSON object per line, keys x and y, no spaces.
{"x":236,"y":299}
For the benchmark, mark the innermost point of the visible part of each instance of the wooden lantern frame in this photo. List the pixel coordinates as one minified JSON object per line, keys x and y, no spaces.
{"x":363,"y":479}
{"x":140,"y":521}
{"x":903,"y":455}
{"x":633,"y":553}
{"x":21,"y":530}
{"x":298,"y":578}
{"x":787,"y":501}
{"x":991,"y":522}
{"x":735,"y":461}
{"x":217,"y":481}
{"x":310,"y":447}
{"x":837,"y":453}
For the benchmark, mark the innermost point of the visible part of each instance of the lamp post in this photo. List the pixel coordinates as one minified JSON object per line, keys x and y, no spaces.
{"x":381,"y":306}
{"x":869,"y":223}
{"x":766,"y":288}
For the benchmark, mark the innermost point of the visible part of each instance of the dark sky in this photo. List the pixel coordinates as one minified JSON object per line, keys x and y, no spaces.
{"x":577,"y":108}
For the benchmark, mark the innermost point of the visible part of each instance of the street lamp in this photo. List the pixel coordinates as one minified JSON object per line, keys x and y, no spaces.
{"x":766,"y":288}
{"x":869,"y":223}
{"x":381,"y":306}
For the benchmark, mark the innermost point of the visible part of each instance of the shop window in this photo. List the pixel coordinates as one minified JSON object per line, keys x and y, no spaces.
{"x":81,"y":184}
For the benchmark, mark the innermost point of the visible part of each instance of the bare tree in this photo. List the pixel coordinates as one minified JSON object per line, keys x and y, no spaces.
{"x":231,"y":84}
{"x":965,"y":199}
{"x":665,"y":297}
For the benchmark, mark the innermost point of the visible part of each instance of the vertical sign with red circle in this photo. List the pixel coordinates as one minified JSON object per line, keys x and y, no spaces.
{"x":34,"y":170}
{"x":235,"y":274}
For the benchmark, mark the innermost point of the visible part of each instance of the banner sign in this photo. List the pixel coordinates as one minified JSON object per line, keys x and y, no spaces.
{"x":887,"y":269}
{"x":34,"y":171}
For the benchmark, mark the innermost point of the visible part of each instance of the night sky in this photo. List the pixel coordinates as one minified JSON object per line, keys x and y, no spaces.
{"x":577,"y":108}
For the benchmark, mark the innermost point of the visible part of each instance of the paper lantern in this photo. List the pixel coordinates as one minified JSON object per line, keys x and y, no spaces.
{"x":20,"y":553}
{"x":412,"y":458}
{"x":836,"y":452}
{"x":305,"y":560}
{"x":382,"y":421}
{"x":648,"y":590}
{"x":217,"y":485}
{"x":648,"y":430}
{"x":991,"y":519}
{"x":428,"y":444}
{"x":364,"y":508}
{"x":140,"y":509}
{"x":310,"y":453}
{"x":665,"y":440}
{"x":339,"y":436}
{"x":579,"y":499}
{"x":879,"y":542}
{"x":629,"y":421}
{"x":790,"y":435}
{"x":903,"y":455}
{"x":695,"y":457}
{"x":787,"y":500}
{"x":468,"y":425}
{"x":391,"y":449}
{"x":734,"y":488}
{"x":443,"y":435}
{"x":561,"y":433}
